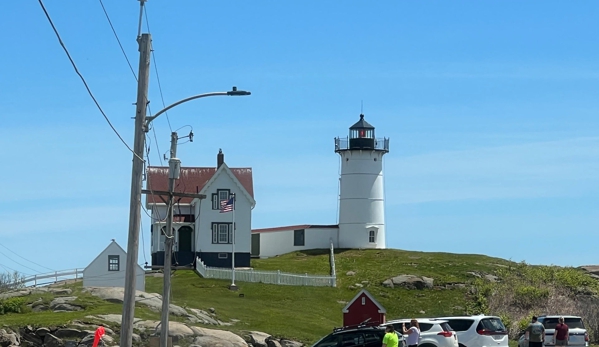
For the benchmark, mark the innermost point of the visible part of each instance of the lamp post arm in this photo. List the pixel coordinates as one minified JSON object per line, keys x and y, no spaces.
{"x":150,"y":119}
{"x":233,"y":92}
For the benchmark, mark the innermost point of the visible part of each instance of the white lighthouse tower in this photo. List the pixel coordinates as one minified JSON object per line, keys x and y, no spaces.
{"x":361,"y":196}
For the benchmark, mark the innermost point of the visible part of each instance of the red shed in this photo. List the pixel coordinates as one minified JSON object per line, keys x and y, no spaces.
{"x":362,"y":307}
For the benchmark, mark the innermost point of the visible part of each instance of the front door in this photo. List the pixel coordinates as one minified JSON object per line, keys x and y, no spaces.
{"x":255,"y":245}
{"x":185,"y":239}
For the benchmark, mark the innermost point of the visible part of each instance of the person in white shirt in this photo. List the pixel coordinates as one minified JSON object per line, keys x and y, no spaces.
{"x":413,"y":333}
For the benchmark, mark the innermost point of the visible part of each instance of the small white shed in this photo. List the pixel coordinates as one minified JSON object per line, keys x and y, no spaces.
{"x":108,"y":269}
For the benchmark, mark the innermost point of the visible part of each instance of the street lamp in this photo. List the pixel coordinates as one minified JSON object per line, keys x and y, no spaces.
{"x":141,"y":126}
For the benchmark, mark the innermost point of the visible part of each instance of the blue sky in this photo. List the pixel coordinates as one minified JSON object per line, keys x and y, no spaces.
{"x":491,"y":108}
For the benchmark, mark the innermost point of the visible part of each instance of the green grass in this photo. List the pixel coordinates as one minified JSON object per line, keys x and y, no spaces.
{"x":301,"y":313}
{"x":307,"y":313}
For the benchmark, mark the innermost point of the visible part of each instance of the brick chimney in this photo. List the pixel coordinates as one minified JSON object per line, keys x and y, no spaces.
{"x":220,"y":158}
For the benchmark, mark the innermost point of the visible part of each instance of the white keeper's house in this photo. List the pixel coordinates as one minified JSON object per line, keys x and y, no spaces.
{"x":361,"y":202}
{"x":200,"y":230}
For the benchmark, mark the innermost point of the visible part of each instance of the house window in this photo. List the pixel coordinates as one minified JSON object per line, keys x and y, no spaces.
{"x":299,"y":237}
{"x":220,"y":195}
{"x":223,"y":256}
{"x":372,"y":236}
{"x":222,"y":233}
{"x":113,"y":263}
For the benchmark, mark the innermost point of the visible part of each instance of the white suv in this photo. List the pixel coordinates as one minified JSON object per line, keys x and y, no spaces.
{"x":578,"y":333}
{"x":433,"y":332}
{"x":479,"y":331}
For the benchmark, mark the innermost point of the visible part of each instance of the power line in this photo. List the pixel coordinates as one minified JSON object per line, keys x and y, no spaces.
{"x":26,"y":258}
{"x":118,"y":40}
{"x":83,"y":79}
{"x":157,"y":75}
{"x":16,"y":262}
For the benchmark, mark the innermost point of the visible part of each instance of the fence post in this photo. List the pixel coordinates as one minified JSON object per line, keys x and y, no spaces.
{"x":35,"y":280}
{"x":55,"y":276}
{"x":306,"y":279}
{"x":76,"y":273}
{"x":278,"y":276}
{"x":252,"y":279}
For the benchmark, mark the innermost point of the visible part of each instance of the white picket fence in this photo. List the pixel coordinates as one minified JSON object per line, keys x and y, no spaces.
{"x":52,"y":277}
{"x":271,"y":277}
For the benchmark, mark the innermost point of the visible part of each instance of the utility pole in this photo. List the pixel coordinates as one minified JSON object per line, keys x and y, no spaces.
{"x":174,"y":170}
{"x":145,"y":42}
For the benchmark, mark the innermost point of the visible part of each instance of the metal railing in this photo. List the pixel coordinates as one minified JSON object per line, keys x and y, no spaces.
{"x":380,"y":144}
{"x":54,"y":277}
{"x":271,"y":277}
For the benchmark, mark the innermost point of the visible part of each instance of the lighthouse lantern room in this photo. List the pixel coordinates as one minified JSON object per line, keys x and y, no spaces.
{"x":361,"y":194}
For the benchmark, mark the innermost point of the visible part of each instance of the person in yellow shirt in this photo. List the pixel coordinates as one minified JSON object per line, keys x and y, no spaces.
{"x":390,"y":339}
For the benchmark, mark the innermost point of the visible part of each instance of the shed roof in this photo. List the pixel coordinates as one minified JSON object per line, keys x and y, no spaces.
{"x":364,"y":291}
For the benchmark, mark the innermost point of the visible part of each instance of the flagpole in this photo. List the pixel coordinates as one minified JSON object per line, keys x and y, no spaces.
{"x":233,"y":286}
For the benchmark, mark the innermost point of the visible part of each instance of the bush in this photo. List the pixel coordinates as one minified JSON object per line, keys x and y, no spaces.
{"x":11,"y":305}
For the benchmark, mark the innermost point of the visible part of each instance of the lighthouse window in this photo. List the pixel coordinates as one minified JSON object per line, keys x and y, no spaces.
{"x":372,"y":236}
{"x":299,"y":237}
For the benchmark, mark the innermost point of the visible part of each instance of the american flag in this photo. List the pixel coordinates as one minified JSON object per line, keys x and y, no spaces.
{"x":227,"y":205}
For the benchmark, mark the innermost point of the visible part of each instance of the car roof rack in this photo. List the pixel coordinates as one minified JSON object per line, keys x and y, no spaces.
{"x":365,"y":324}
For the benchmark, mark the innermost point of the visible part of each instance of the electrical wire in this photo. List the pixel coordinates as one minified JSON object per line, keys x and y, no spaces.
{"x":84,"y":81}
{"x":118,"y":40}
{"x":16,"y":262}
{"x":31,"y":261}
{"x":156,"y":69}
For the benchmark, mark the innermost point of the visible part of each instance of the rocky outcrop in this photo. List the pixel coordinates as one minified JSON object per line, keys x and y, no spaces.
{"x":410,"y":282}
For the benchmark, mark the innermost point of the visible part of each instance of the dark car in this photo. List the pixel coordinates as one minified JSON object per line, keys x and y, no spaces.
{"x":354,"y":336}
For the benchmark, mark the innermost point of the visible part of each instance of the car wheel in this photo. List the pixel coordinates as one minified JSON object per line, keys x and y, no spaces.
{"x":427,"y":345}
{"x":461,"y":345}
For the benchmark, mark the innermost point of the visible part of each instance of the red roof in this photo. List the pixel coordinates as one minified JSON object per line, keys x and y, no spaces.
{"x":192,"y":180}
{"x":294,"y":227}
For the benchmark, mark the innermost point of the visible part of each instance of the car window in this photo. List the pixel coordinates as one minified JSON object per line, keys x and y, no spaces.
{"x":329,"y":341}
{"x":460,"y":324}
{"x":352,"y":339}
{"x":491,"y":324}
{"x":423,"y":326}
{"x":446,"y":327}
{"x":572,"y":323}
{"x":372,"y":336}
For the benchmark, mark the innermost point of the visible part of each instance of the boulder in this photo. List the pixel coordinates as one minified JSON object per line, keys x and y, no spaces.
{"x":351,"y":273}
{"x":175,"y":329}
{"x":13,"y":294}
{"x":41,"y":332}
{"x":409,"y":281}
{"x":474,"y":274}
{"x":65,"y":303}
{"x":428,"y":282}
{"x":217,"y":338}
{"x":52,"y":341}
{"x":60,"y":291}
{"x":28,"y":338}
{"x":151,"y":300}
{"x":289,"y":343}
{"x":388,"y":283}
{"x":270,"y":342}
{"x":67,"y":308}
{"x":257,"y":338}
{"x":8,"y":338}
{"x":69,"y":333}
{"x":491,"y":278}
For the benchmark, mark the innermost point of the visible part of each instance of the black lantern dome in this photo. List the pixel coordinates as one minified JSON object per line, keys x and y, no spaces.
{"x":361,"y":135}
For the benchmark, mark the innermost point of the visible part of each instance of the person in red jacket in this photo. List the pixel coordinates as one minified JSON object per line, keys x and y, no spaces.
{"x":562,"y":333}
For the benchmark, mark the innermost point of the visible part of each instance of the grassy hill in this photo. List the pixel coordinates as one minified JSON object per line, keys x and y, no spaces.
{"x":307,"y":313}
